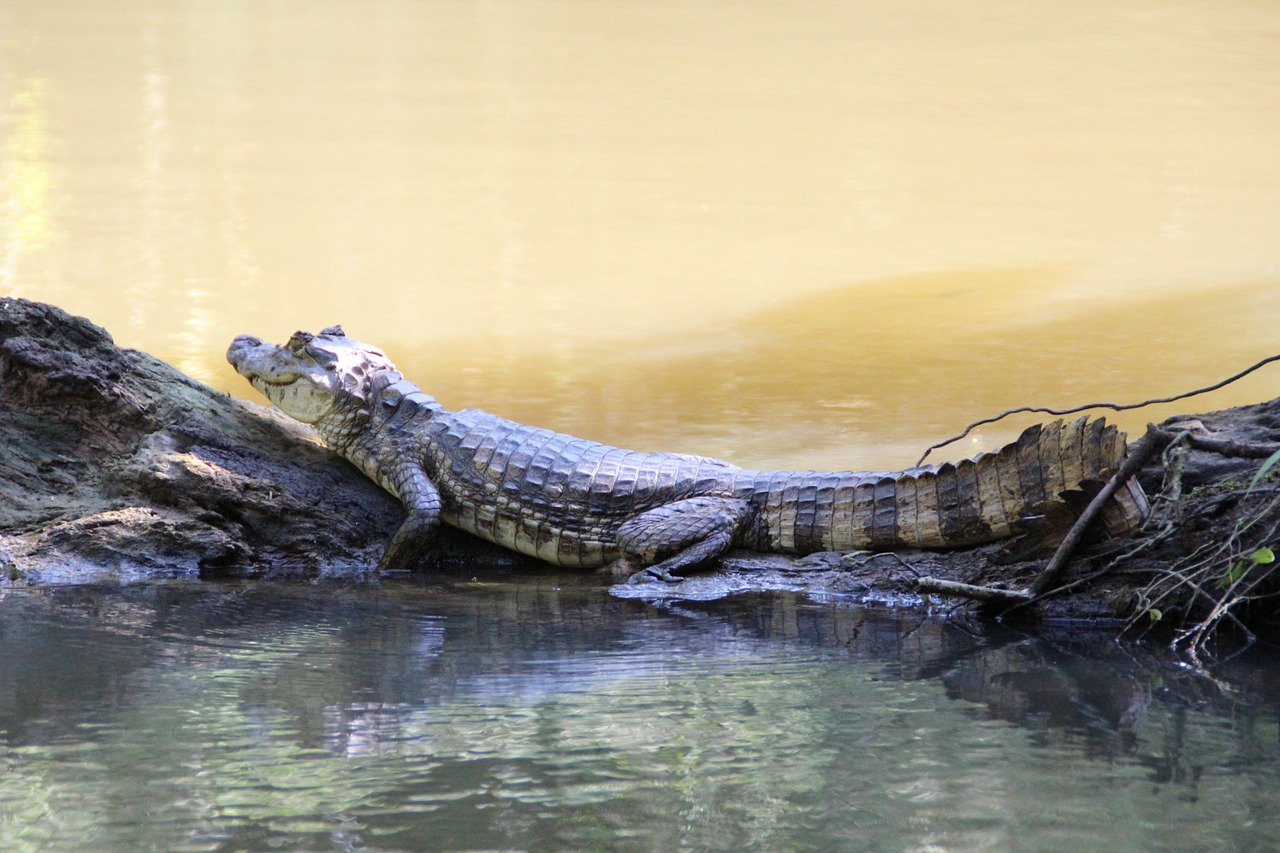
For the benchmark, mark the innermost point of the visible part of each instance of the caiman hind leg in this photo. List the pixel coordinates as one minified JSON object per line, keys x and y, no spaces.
{"x":682,"y":535}
{"x":422,"y":500}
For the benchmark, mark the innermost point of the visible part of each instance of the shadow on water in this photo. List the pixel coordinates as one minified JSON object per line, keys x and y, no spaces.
{"x":538,"y":712}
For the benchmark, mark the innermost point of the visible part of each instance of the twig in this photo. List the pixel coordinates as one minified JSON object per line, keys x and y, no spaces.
{"x":1142,"y":545}
{"x":957,"y":589}
{"x":966,"y":590}
{"x":1228,"y":447}
{"x":862,"y":558}
{"x":1211,"y":563}
{"x":1143,"y":450}
{"x":1155,"y":438}
{"x":1168,"y":504}
{"x":1115,"y":407}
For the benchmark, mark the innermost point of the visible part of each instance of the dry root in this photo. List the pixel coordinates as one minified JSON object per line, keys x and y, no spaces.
{"x":1219,"y":581}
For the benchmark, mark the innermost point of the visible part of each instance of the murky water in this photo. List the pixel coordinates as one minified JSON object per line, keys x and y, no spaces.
{"x":808,"y":234}
{"x":540,"y":715}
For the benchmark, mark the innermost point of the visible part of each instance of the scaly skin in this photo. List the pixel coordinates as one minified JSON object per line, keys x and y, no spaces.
{"x":574,"y":502}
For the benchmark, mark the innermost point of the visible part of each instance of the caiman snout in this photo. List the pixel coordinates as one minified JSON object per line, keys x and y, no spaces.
{"x":245,"y":341}
{"x":240,"y":349}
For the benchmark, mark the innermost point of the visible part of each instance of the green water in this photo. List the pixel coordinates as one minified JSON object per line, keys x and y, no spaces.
{"x":536,"y":713}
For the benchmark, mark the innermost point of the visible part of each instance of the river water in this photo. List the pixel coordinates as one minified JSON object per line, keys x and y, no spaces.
{"x":541,"y":714}
{"x":803,"y":235}
{"x":790,"y":235}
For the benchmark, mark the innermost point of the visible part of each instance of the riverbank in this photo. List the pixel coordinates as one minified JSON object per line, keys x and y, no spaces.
{"x":122,"y":468}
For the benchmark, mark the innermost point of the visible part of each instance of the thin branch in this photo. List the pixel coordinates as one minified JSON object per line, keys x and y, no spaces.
{"x":1142,"y":545}
{"x":966,"y":590}
{"x":1143,"y":450}
{"x":1229,"y":447}
{"x":1115,"y":407}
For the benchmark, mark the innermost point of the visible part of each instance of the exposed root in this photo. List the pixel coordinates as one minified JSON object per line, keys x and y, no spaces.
{"x":1214,"y":584}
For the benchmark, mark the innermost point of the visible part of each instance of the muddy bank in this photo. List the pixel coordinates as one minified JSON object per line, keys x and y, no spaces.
{"x":119,"y":466}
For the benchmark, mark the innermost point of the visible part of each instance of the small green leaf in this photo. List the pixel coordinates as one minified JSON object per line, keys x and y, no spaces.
{"x":1155,"y":614}
{"x":1236,"y":572}
{"x":1263,"y":555}
{"x":1262,"y":471}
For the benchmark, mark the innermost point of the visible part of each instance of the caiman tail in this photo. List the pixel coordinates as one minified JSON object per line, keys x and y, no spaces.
{"x":1034,"y":487}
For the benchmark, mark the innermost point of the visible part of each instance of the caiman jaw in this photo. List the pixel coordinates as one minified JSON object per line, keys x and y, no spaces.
{"x":276,"y":372}
{"x":259,"y":362}
{"x":273,"y":381}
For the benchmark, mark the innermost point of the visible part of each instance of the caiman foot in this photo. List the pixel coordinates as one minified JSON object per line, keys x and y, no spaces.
{"x":410,"y":544}
{"x":625,"y":571}
{"x":653,"y":574}
{"x":682,"y":536}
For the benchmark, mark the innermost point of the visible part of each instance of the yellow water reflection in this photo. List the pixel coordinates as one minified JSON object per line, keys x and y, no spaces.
{"x":25,"y":216}
{"x":799,"y":234}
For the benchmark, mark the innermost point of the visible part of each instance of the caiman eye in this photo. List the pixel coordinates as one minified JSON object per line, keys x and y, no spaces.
{"x":298,"y":343}
{"x":322,"y":357}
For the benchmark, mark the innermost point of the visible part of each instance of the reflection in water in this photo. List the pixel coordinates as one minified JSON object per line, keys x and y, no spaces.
{"x":827,"y":236}
{"x":545,"y":715}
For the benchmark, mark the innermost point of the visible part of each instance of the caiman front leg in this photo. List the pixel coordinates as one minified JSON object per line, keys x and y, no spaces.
{"x":682,"y":535}
{"x":422,"y":500}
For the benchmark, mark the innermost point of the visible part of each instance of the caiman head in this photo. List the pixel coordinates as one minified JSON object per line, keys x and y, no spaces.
{"x":313,"y":377}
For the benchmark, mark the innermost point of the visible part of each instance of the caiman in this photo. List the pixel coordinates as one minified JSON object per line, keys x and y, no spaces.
{"x":575,"y":502}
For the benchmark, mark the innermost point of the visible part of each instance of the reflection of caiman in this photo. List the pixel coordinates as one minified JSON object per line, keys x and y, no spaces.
{"x":575,"y":502}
